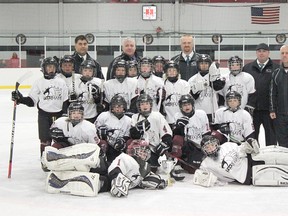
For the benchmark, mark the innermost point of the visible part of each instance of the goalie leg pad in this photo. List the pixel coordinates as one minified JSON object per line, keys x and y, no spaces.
{"x":120,"y":186}
{"x":74,"y":183}
{"x":204,"y":178}
{"x":80,"y":157}
{"x":270,"y":175}
{"x":272,"y":155}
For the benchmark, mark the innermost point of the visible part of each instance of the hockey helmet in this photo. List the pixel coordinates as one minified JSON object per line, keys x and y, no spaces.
{"x":75,"y":118}
{"x":117,"y":101}
{"x":48,"y":71}
{"x":158,"y":65}
{"x":144,"y":98}
{"x":133,"y":68}
{"x":235,"y":65}
{"x":210,"y":146}
{"x":67,"y":59}
{"x":203,"y":58}
{"x":172,"y":77}
{"x":233,"y":95}
{"x":121,"y":63}
{"x":139,"y":149}
{"x":187,"y":99}
{"x":145,"y":67}
{"x":87,"y":65}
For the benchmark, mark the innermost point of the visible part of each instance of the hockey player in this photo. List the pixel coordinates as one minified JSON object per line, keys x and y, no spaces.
{"x":205,"y":84}
{"x":121,"y":85}
{"x":158,"y":65}
{"x":175,"y":87}
{"x":113,"y":127}
{"x":152,"y":127}
{"x":131,"y":170}
{"x":87,"y":90}
{"x":240,"y":121}
{"x":50,"y":94}
{"x":133,"y":71}
{"x":188,"y":130}
{"x":150,"y":84}
{"x":241,"y":82}
{"x":72,"y":130}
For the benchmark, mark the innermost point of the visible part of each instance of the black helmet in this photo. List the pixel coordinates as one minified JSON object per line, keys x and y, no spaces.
{"x":156,"y":60}
{"x":118,"y":100}
{"x":133,"y":65}
{"x":235,"y":60}
{"x":187,"y":98}
{"x":233,"y":95}
{"x":172,"y":64}
{"x":147,"y":61}
{"x":117,"y":64}
{"x":203,"y":58}
{"x":67,"y":59}
{"x":142,"y":99}
{"x":49,"y":61}
{"x":87,"y":64}
{"x":207,"y":140}
{"x":75,"y":106}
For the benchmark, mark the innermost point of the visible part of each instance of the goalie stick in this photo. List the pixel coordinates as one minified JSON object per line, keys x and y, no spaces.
{"x":18,"y":82}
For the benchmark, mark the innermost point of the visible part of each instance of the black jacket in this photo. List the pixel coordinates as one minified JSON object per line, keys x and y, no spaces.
{"x":279,"y":92}
{"x":110,"y":74}
{"x":262,"y":82}
{"x":78,"y":62}
{"x":186,"y":71}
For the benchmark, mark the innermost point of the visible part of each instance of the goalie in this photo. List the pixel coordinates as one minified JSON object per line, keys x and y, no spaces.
{"x":245,"y":164}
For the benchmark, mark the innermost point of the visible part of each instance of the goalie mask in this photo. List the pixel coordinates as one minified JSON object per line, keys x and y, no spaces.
{"x":158,"y":65}
{"x":49,"y":67}
{"x":203,"y":63}
{"x":139,"y":149}
{"x":172,"y":70}
{"x":235,"y":65}
{"x":145,"y":67}
{"x":133,"y":69}
{"x":87,"y":70}
{"x":66,"y":64}
{"x":144,"y":104}
{"x":76,"y":113}
{"x":118,"y":106}
{"x":233,"y":100}
{"x":210,"y":146}
{"x":120,"y":70}
{"x":186,"y":105}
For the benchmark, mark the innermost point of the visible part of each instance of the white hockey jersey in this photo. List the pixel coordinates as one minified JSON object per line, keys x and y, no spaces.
{"x":158,"y":128}
{"x":117,"y":128}
{"x":69,"y":81}
{"x":207,"y":99}
{"x":83,"y":91}
{"x":197,"y":126}
{"x":230,"y":165}
{"x":243,"y":83}
{"x":241,"y":122}
{"x":127,"y":89}
{"x":49,"y":94}
{"x":150,"y":86}
{"x":173,"y":93}
{"x":83,"y":132}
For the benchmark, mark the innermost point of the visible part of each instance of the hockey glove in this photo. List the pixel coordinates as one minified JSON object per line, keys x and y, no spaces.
{"x":214,"y":72}
{"x":100,"y":108}
{"x":182,"y":122}
{"x":204,"y":178}
{"x":95,"y":91}
{"x":161,"y":148}
{"x":249,"y":109}
{"x":17,"y":96}
{"x":102,"y":132}
{"x":120,"y":186}
{"x":251,"y":146}
{"x":120,"y":144}
{"x":153,"y":181}
{"x":199,"y":86}
{"x":143,"y":125}
{"x":58,"y":135}
{"x":73,"y":96}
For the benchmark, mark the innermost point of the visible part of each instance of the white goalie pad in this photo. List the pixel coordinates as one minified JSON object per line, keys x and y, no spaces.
{"x":272,"y":155}
{"x":120,"y":186}
{"x":72,"y":182}
{"x":214,"y":72}
{"x":80,"y":157}
{"x":204,"y":178}
{"x":270,"y":175}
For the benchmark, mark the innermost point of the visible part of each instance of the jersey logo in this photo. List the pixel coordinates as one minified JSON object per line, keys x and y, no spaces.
{"x":47,"y":91}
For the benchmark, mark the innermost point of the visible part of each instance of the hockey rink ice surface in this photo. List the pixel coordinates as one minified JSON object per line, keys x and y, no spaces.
{"x":24,"y":194}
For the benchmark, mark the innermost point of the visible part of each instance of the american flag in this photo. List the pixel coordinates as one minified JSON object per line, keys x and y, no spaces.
{"x":265,"y":15}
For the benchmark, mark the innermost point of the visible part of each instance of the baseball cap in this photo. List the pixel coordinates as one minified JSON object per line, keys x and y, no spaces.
{"x":262,"y":46}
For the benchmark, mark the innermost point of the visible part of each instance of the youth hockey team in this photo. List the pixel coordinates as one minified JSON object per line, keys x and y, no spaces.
{"x":144,"y":120}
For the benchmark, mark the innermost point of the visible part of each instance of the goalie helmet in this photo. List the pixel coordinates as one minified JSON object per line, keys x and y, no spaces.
{"x":85,"y":67}
{"x":48,"y":71}
{"x":67,"y":59}
{"x":139,"y":149}
{"x":233,"y":95}
{"x":143,"y":109}
{"x":172,"y":76}
{"x":116,"y":102}
{"x":75,"y":118}
{"x":210,"y":146}
{"x":187,"y":99}
{"x":145,"y":67}
{"x":235,"y":65}
{"x":133,"y":69}
{"x":158,"y":65}
{"x":121,"y":63}
{"x":203,"y":58}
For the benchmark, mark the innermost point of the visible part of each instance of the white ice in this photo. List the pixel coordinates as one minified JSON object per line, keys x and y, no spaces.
{"x":24,"y":194}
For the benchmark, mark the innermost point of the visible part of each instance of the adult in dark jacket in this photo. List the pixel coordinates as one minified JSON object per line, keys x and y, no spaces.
{"x":128,"y":54}
{"x":261,"y":69}
{"x":279,"y":98}
{"x":81,"y":54}
{"x":187,"y":58}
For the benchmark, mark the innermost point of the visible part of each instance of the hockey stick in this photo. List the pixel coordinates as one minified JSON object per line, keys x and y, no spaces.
{"x":18,"y":82}
{"x":182,"y":161}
